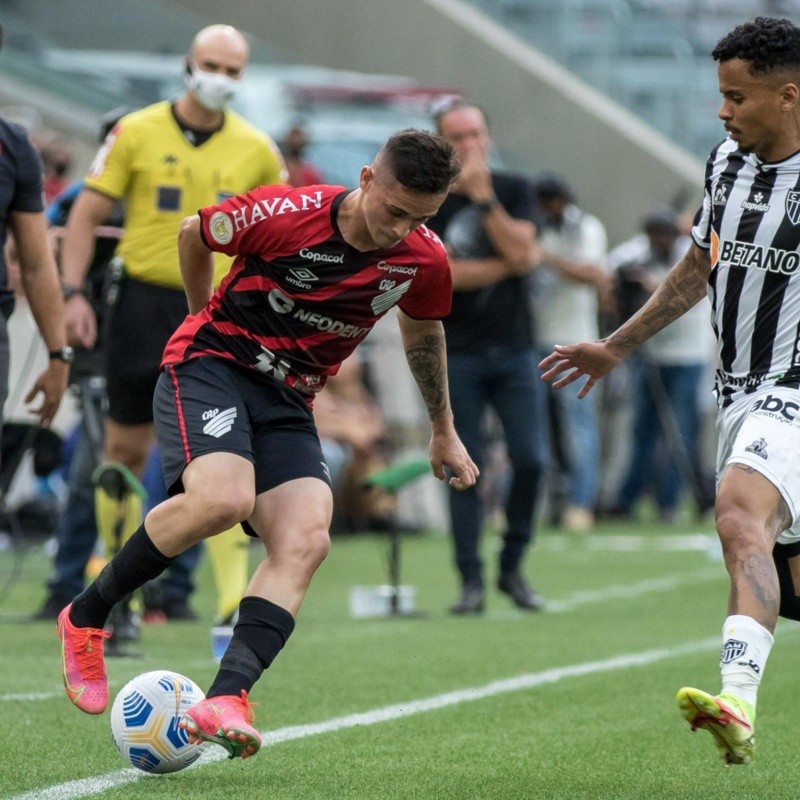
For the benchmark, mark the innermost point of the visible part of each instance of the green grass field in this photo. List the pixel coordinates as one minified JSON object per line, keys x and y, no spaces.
{"x":576,"y":702}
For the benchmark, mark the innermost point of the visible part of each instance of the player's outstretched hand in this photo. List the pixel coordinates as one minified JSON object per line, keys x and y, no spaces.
{"x":592,"y":360}
{"x":447,"y":450}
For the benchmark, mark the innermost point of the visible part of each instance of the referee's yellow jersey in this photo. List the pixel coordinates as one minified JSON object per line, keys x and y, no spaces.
{"x":147,"y":162}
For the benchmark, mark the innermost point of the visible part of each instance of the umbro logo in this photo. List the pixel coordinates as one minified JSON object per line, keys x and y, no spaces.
{"x":303,"y":274}
{"x":220,"y":422}
{"x":301,"y":277}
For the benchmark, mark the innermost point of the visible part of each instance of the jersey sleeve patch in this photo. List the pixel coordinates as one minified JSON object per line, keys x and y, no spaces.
{"x":220,"y":227}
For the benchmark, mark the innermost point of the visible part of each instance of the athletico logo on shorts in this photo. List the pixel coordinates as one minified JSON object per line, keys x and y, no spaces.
{"x":220,"y":421}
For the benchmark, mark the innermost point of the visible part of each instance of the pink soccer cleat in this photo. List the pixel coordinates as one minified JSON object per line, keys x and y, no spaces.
{"x":224,"y":720}
{"x":82,"y":664}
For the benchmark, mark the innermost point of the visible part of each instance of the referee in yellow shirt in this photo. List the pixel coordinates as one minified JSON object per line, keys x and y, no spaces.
{"x":164,"y":162}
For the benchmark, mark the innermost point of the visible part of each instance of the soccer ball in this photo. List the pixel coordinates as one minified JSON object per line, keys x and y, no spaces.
{"x":144,"y":721}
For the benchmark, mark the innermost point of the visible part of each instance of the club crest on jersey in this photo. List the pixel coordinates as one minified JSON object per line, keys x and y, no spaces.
{"x":731,"y":650}
{"x":793,"y":207}
{"x":220,"y":227}
{"x":390,"y":296}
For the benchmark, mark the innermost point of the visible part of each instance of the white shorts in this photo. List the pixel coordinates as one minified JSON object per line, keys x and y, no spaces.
{"x":762,"y":430}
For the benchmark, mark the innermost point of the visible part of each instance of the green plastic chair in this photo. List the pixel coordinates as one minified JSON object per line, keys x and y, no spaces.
{"x":392,"y":479}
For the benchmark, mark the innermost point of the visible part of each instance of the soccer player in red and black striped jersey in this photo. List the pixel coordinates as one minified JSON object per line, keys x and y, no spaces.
{"x":315,"y":268}
{"x":745,"y":254}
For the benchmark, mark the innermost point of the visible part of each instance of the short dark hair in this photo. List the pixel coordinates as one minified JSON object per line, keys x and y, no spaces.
{"x":768,"y":43}
{"x":661,"y":220}
{"x":421,"y":161}
{"x":550,"y":186}
{"x":110,"y":119}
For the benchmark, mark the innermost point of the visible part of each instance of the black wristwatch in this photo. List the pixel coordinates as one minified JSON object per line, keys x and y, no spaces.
{"x":70,"y":291}
{"x":65,"y":354}
{"x":485,"y":206}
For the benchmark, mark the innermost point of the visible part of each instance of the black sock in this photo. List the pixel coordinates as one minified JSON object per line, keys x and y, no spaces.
{"x":259,"y":635}
{"x":137,"y":562}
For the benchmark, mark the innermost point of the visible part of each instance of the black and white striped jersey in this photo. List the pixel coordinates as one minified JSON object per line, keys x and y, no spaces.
{"x":750,"y":222}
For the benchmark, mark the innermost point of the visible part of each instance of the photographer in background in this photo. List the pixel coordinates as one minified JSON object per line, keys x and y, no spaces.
{"x":667,"y":374}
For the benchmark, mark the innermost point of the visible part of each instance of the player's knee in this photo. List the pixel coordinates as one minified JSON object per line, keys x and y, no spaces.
{"x":227,"y":506}
{"x":739,"y":529}
{"x":316,"y":546}
{"x":132,"y":452}
{"x":308,"y":550}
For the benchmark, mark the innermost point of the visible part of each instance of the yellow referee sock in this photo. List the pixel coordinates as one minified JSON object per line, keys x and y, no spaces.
{"x":229,"y":554}
{"x":119,"y":498}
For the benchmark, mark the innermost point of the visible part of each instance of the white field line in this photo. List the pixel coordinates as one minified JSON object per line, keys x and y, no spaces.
{"x":614,"y":592}
{"x":643,"y":587}
{"x":86,"y":787}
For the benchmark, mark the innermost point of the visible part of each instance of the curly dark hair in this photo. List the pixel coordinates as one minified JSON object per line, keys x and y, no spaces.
{"x":768,"y":43}
{"x":421,"y":161}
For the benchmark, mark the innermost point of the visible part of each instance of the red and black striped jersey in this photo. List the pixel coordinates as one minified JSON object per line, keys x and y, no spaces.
{"x":298,"y":299}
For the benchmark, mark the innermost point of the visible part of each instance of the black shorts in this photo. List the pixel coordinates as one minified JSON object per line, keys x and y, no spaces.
{"x":209,"y":405}
{"x":141,"y":322}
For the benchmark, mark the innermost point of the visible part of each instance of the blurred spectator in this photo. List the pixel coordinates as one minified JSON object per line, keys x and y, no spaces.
{"x":57,"y":157}
{"x":301,"y":172}
{"x":22,"y":214}
{"x":486,"y":222}
{"x":565,"y":290}
{"x":667,"y":374}
{"x":346,"y":415}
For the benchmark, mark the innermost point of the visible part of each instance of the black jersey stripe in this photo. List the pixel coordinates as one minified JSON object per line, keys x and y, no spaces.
{"x":736,"y":277}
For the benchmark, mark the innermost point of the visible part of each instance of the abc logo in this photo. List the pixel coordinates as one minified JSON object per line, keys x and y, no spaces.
{"x":774,"y":406}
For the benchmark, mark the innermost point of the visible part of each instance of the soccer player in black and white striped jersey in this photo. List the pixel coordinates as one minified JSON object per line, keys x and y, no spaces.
{"x":746,"y":255}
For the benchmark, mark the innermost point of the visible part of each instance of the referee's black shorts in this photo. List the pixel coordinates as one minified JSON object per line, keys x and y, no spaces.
{"x":208,"y":405}
{"x":141,"y":322}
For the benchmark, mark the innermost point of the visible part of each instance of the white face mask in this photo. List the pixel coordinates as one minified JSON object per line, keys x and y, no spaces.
{"x":212,"y":89}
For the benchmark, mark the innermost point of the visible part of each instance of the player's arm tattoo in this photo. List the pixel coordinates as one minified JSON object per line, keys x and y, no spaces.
{"x":427,"y":361}
{"x":682,"y":289}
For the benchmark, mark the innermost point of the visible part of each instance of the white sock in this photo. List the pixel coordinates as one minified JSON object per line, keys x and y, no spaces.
{"x":745,"y":649}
